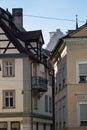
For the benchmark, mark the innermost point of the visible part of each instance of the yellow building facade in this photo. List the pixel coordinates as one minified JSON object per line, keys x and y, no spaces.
{"x":70,"y":64}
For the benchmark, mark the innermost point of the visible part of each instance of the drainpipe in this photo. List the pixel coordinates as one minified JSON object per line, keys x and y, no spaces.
{"x":53,"y":97}
{"x":31,"y":99}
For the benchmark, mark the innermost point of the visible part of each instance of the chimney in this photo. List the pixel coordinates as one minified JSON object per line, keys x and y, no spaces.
{"x":18,"y":17}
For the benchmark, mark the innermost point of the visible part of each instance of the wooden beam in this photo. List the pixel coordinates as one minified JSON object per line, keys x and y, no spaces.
{"x":6,"y":47}
{"x":2,"y":33}
{"x":2,"y":40}
{"x":2,"y":48}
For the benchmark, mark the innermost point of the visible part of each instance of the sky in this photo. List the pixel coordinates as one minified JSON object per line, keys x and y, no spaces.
{"x":57,"y":14}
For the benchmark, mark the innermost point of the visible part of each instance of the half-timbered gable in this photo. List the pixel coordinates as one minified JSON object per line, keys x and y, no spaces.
{"x":15,"y":41}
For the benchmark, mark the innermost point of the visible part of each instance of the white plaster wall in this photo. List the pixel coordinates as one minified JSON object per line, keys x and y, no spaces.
{"x":12,"y":83}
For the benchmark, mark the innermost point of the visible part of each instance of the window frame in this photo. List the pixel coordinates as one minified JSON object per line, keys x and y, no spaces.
{"x":9,"y":69}
{"x":6,"y":126}
{"x":35,"y":103}
{"x":14,"y":123}
{"x":46,"y":103}
{"x":34,"y":72}
{"x":79,"y":102}
{"x":50,"y":104}
{"x":78,"y":62}
{"x":8,"y":99}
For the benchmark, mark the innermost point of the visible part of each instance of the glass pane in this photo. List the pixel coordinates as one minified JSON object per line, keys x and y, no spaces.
{"x":6,"y":63}
{"x":7,"y":71}
{"x":46,"y":103}
{"x":34,"y":70}
{"x":15,"y":126}
{"x":83,"y":69}
{"x":3,"y":125}
{"x":35,"y":103}
{"x":10,"y":70}
{"x":11,"y":93}
{"x":6,"y":93}
{"x":6,"y":102}
{"x":83,"y":112}
{"x":11,"y":102}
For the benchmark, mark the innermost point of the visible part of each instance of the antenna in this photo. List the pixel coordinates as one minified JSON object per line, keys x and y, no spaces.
{"x":76,"y":21}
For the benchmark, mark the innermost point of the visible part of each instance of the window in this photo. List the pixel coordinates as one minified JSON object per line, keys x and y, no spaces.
{"x":64,"y":116}
{"x":50,"y":80}
{"x":50,"y":104}
{"x":63,"y":76}
{"x":59,"y":114}
{"x":3,"y":125}
{"x":82,"y":71}
{"x":8,"y":68}
{"x":59,"y":79}
{"x":44,"y":126}
{"x":45,"y":73}
{"x":46,"y":103}
{"x":9,"y":99}
{"x":15,"y":125}
{"x":34,"y":69}
{"x":35,"y":103}
{"x":83,"y":114}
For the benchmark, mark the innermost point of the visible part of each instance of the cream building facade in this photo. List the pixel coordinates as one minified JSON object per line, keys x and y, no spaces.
{"x":25,"y":93}
{"x":70,"y":62}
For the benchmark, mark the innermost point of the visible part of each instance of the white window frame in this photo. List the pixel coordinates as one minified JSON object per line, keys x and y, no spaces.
{"x":9,"y":97}
{"x":8,"y":68}
{"x":77,"y":69}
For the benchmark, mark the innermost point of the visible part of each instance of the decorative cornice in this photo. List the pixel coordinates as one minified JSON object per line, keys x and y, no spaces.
{"x":25,"y":114}
{"x":75,"y":40}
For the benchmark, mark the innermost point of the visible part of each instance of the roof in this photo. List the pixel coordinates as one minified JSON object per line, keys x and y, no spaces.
{"x":10,"y":33}
{"x":21,"y":41}
{"x":74,"y":32}
{"x":80,"y":32}
{"x":6,"y":12}
{"x":31,"y":36}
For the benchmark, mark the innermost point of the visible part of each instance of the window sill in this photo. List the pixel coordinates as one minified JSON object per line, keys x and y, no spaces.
{"x":5,"y":76}
{"x":83,"y":82}
{"x":9,"y":107}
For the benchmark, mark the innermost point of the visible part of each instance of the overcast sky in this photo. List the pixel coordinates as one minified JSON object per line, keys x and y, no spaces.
{"x":62,"y":10}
